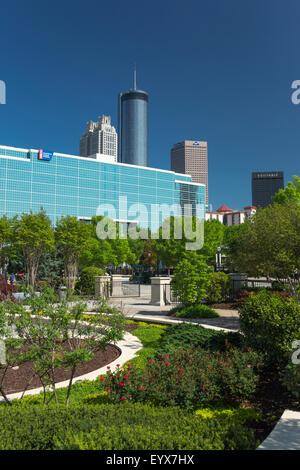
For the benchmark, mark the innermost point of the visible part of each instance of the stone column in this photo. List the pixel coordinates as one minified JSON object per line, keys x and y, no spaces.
{"x":102,"y":286}
{"x":117,"y":285}
{"x":160,"y":290}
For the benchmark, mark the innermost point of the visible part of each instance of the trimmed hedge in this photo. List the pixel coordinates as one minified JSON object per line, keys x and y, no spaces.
{"x":123,"y":427}
{"x":187,"y":334}
{"x":193,"y":311}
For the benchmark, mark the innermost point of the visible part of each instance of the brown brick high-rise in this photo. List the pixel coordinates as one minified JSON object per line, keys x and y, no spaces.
{"x":190,"y":157}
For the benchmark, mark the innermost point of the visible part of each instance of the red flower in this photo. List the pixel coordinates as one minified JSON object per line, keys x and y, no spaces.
{"x":203,"y":388}
{"x":101,"y":378}
{"x":182,"y":350}
{"x":180,"y":371}
{"x":167,"y":363}
{"x":121,"y":383}
{"x":166,"y":356}
{"x":108,"y":390}
{"x":118,"y":365}
{"x":150,"y":360}
{"x":143,"y":388}
{"x":107,"y":367}
{"x":123,"y":398}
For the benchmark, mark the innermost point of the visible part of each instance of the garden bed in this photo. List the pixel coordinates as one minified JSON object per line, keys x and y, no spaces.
{"x":16,"y":378}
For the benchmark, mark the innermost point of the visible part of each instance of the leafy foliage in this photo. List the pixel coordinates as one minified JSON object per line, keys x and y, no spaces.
{"x":290,"y":194}
{"x":191,"y":279}
{"x":126,"y":427}
{"x":33,"y":237}
{"x":187,"y":378}
{"x":86,"y":283}
{"x":220,"y":288}
{"x":186,"y":334}
{"x":271,"y":324}
{"x":269,"y":244}
{"x":193,"y":311}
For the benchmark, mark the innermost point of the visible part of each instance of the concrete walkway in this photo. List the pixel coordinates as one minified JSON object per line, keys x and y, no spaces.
{"x":139,"y":308}
{"x":285,"y":435}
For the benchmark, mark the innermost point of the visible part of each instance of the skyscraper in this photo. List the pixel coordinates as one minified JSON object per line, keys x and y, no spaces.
{"x":190,"y":157}
{"x":133,"y":126}
{"x":100,"y":138}
{"x":265,"y":184}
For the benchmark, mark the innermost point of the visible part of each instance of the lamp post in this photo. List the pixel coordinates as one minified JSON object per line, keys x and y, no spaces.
{"x":218,"y":258}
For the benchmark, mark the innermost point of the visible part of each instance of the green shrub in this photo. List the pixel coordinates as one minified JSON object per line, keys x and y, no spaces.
{"x":191,"y":279}
{"x":220,"y":288}
{"x":121,"y":427}
{"x":187,"y":334}
{"x":86,"y":283}
{"x":193,"y":311}
{"x":291,"y":379}
{"x":271,"y":324}
{"x":187,"y":378}
{"x":240,"y":415}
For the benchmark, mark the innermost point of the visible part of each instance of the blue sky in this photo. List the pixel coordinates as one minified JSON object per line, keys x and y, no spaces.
{"x":215,"y":70}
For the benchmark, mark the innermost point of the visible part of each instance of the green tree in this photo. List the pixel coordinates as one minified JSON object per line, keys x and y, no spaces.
{"x":101,"y":253}
{"x":5,"y":238}
{"x":233,"y":237}
{"x":172,"y":249}
{"x":192,"y":277}
{"x":269,"y":244}
{"x":213,"y":237}
{"x":290,"y":194}
{"x":71,"y":237}
{"x":33,"y":236}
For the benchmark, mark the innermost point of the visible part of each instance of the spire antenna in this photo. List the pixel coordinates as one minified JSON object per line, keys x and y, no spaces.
{"x":134,"y":77}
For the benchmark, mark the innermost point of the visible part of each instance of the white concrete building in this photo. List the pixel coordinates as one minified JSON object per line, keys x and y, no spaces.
{"x":231,"y":217}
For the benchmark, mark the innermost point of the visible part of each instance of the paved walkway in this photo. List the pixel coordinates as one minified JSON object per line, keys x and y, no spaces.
{"x":139,"y":308}
{"x":285,"y":435}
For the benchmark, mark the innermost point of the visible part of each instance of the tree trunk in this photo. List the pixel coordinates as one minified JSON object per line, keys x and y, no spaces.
{"x":70,"y":385}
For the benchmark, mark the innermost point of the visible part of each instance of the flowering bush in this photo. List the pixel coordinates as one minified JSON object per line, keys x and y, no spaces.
{"x":186,"y":378}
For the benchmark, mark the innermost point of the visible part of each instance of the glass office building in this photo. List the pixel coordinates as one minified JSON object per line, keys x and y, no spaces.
{"x":133,"y":127}
{"x":82,"y":187}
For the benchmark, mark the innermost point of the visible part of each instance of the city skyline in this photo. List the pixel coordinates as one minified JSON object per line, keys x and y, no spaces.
{"x":226,"y":80}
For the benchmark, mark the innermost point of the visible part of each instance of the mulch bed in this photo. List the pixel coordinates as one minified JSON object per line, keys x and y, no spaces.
{"x":226,"y":305}
{"x":272,"y":399}
{"x":131,"y":327}
{"x":16,"y":380}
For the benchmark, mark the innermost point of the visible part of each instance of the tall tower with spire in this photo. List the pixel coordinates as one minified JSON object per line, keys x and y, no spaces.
{"x":133,"y":126}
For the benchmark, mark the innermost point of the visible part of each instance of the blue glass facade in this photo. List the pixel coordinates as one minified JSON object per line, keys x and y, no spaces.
{"x":76,"y":186}
{"x":133,"y":127}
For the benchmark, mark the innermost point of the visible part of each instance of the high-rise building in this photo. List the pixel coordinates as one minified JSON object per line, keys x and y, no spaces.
{"x":265,"y":185}
{"x":190,"y":157}
{"x":100,"y":138}
{"x":133,"y":126}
